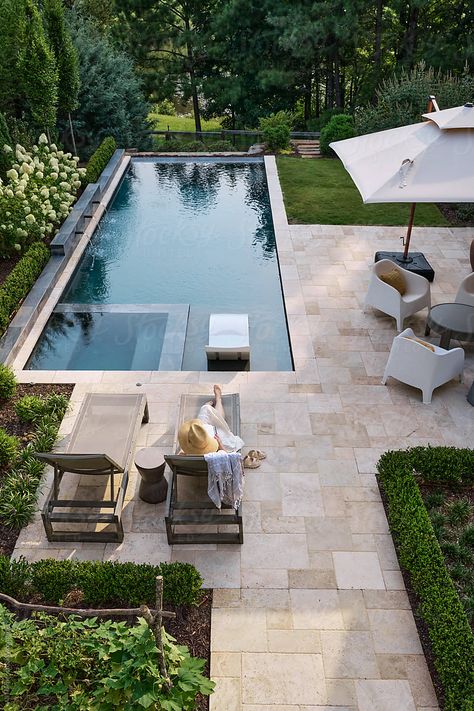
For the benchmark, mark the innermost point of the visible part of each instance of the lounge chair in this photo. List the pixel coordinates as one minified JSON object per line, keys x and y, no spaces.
{"x":465,"y":293}
{"x":101,"y":444}
{"x":228,"y":337}
{"x":191,"y":514}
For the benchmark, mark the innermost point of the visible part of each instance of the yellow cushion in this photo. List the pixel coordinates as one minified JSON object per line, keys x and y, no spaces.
{"x":396,"y":279}
{"x":422,"y":343}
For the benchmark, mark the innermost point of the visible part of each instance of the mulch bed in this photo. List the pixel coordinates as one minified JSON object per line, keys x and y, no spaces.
{"x":421,"y":625}
{"x":192,"y":627}
{"x":11,"y":424}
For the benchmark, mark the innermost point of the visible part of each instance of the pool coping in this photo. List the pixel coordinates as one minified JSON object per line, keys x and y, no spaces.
{"x":89,"y":205}
{"x":299,"y":339}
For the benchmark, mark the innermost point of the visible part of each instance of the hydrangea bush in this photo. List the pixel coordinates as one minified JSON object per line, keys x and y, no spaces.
{"x":39,"y":191}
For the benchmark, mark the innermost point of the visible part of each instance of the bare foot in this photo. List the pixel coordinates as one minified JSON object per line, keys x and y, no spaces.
{"x":218,"y":400}
{"x":217,"y":392}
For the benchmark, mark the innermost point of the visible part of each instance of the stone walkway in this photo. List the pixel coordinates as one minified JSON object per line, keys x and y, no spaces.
{"x":310,"y":614}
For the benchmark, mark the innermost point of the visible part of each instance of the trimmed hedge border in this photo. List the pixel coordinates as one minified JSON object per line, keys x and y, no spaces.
{"x":99,"y":159}
{"x":102,"y":584}
{"x":419,"y":553}
{"x":20,"y":280}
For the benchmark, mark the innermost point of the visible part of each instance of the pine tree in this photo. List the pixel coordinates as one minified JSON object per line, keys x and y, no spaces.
{"x":38,"y":73}
{"x":12,"y":39}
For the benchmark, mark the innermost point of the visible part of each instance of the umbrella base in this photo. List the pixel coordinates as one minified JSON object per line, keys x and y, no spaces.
{"x":416,"y":262}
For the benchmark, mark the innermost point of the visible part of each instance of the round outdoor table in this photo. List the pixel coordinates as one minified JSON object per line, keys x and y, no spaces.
{"x":151,"y":467}
{"x":451,"y":321}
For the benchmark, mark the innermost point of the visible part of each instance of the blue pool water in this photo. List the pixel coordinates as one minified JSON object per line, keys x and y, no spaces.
{"x":178,"y":231}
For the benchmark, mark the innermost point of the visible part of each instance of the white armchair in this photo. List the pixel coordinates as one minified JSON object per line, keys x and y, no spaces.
{"x":415,"y":364}
{"x":386,"y":298}
{"x":465,"y":293}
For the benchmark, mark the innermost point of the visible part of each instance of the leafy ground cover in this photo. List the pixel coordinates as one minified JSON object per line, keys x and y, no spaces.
{"x":24,"y":432}
{"x":322,"y":192}
{"x":160,"y":122}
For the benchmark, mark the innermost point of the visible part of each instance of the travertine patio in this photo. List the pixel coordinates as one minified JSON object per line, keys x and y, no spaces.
{"x":310,"y":614}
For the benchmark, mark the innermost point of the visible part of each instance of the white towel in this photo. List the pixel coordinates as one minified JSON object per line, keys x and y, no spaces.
{"x":225,"y":478}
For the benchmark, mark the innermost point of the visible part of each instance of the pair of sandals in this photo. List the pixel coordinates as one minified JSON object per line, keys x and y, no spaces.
{"x":253,"y":459}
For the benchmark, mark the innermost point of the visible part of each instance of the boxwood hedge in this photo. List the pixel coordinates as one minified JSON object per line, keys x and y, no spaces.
{"x":99,"y":160}
{"x":107,"y":584}
{"x":20,"y":280}
{"x":419,"y":553}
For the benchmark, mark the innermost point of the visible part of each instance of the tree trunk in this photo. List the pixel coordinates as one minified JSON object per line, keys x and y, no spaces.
{"x":317,"y":95}
{"x":411,"y":36}
{"x":337,"y":83}
{"x":192,"y":78}
{"x":307,"y":98}
{"x":377,"y":70}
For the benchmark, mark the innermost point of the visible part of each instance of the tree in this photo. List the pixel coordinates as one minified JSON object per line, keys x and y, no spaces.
{"x":12,"y":39}
{"x":65,"y":54}
{"x":38,"y":73}
{"x":110,"y":97}
{"x":165,"y":38}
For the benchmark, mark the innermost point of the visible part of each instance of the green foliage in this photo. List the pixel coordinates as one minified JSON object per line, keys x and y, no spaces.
{"x":64,"y":54}
{"x":38,"y":73}
{"x":5,"y":140}
{"x":178,"y":146}
{"x":99,"y":159}
{"x":338,"y":128}
{"x":18,"y":489}
{"x":29,"y":408}
{"x":20,"y":280}
{"x":419,"y":553}
{"x":8,"y":448}
{"x":442,"y":465}
{"x":12,"y":39}
{"x":78,"y":665}
{"x":110,"y":98}
{"x":107,"y":584}
{"x":276,"y":130}
{"x":165,"y":106}
{"x":7,"y":382}
{"x":465,"y":212}
{"x":403,"y":99}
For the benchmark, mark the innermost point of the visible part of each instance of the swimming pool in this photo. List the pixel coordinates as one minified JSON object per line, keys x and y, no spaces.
{"x":181,"y":239}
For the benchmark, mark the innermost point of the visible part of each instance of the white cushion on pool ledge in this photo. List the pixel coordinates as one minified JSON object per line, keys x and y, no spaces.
{"x":228,"y":336}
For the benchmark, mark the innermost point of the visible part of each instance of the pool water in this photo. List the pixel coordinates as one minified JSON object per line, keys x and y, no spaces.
{"x":179,"y":231}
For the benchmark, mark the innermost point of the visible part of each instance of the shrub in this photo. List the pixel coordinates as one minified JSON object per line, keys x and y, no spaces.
{"x":194,"y":146}
{"x":20,"y":280}
{"x":29,"y":408}
{"x":338,"y":128}
{"x":107,"y":584}
{"x":82,"y":664}
{"x":442,"y":465}
{"x":8,"y":448}
{"x":166,"y":107}
{"x":39,"y":192}
{"x":402,"y":99}
{"x":7,"y":382}
{"x":419,"y":553}
{"x":465,"y":212}
{"x":220,"y":146}
{"x":99,"y":159}
{"x":5,"y":140}
{"x":276,"y":130}
{"x":19,"y":489}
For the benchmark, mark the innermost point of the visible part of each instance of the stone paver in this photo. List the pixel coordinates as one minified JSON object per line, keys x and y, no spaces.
{"x":310,"y":614}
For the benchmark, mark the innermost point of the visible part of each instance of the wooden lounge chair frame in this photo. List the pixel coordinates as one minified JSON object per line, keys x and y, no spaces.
{"x":93,"y":464}
{"x":200,"y":513}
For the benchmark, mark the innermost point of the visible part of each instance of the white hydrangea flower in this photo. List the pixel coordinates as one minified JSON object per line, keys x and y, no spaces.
{"x":30,"y":219}
{"x":64,"y":186}
{"x":54,"y":147}
{"x":53,"y":189}
{"x":9,"y":193}
{"x":7,"y":148}
{"x":54,"y":176}
{"x":63,"y":175}
{"x":43,"y":139}
{"x":44,"y":192}
{"x":12,"y":174}
{"x":27,"y":209}
{"x":40,"y":175}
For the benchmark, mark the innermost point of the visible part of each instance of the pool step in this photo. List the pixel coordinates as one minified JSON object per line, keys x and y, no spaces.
{"x":307,"y":149}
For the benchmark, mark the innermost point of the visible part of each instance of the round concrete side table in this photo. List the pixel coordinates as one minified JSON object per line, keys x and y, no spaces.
{"x":151,"y":467}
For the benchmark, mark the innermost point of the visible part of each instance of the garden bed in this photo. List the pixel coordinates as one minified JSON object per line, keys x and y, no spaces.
{"x":11,"y":423}
{"x":443,"y":478}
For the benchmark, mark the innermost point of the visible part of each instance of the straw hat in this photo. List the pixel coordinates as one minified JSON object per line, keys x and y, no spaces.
{"x":194,"y":439}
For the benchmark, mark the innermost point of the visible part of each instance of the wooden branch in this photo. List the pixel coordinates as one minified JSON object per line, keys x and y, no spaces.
{"x":50,"y":610}
{"x":155,"y":622}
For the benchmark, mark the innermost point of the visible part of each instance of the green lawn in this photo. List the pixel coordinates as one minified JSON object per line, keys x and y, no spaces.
{"x":181,"y":123}
{"x":320,"y":191}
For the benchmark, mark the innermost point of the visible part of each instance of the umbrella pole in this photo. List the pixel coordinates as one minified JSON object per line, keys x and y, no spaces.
{"x":405,"y":257}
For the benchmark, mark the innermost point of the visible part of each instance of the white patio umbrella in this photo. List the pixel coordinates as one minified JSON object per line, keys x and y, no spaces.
{"x":432,"y":161}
